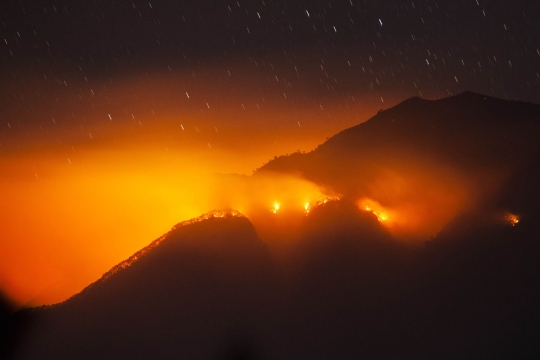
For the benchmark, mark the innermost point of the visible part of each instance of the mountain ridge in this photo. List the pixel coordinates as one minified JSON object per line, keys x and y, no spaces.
{"x":124,"y":264}
{"x":352,"y":291}
{"x":406,"y":115}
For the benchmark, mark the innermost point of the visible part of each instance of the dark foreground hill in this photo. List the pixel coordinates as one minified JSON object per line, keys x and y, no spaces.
{"x":209,"y":290}
{"x":190,"y":294}
{"x":6,"y":326}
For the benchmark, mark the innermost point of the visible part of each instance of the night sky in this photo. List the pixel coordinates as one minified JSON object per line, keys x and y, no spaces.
{"x":105,"y":105}
{"x":59,"y":59}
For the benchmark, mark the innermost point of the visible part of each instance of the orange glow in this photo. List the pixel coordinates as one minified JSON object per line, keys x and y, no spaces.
{"x":98,"y":184}
{"x":65,"y":228}
{"x":512,"y":219}
{"x":416,"y":202}
{"x":375,"y":208}
{"x":132,"y":259}
{"x":323,"y":200}
{"x":66,"y":223}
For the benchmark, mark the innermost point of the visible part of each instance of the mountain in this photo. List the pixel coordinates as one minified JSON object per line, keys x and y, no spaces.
{"x":349,"y":287}
{"x":439,"y":158}
{"x":189,"y":294}
{"x":467,"y":130}
{"x":209,"y":290}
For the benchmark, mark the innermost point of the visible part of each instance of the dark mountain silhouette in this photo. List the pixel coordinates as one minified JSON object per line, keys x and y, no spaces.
{"x":470,"y":291}
{"x":470,"y":133}
{"x":209,"y":289}
{"x":13,"y":327}
{"x":6,"y":326}
{"x":466,"y":130}
{"x":189,"y":294}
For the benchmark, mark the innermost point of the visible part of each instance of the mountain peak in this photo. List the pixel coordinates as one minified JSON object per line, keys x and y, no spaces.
{"x":458,"y":117}
{"x":469,"y":94}
{"x":468,"y":133}
{"x":221,"y":214}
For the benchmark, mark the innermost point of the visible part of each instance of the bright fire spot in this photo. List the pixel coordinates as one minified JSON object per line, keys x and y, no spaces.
{"x":275,"y":209}
{"x":512,"y":219}
{"x":375,"y":208}
{"x":380,"y":216}
{"x":310,"y":206}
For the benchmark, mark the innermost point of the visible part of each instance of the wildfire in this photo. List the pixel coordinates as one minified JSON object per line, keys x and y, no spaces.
{"x":380,"y":216}
{"x":512,"y":219}
{"x":375,"y":208}
{"x":327,"y":199}
{"x":308,"y":206}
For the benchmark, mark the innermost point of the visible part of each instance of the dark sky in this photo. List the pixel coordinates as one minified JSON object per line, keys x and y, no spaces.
{"x":421,"y":46}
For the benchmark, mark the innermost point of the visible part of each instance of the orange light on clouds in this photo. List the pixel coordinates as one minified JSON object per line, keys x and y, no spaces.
{"x":111,"y":169}
{"x":417,"y":204}
{"x":66,"y":227}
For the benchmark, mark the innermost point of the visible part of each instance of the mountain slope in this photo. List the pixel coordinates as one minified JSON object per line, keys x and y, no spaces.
{"x":430,"y":161}
{"x":467,"y":130}
{"x":210,"y":290}
{"x":191,"y":292}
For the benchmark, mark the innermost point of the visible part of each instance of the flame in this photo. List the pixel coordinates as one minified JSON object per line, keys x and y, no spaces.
{"x":380,"y":216}
{"x":512,"y":219}
{"x":308,"y":206}
{"x":326,"y":199}
{"x":375,"y":208}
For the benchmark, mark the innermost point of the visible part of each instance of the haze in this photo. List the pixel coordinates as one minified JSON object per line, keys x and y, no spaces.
{"x":80,"y":199}
{"x":80,"y":196}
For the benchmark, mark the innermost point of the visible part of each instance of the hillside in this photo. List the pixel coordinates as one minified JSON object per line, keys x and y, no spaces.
{"x":432,"y":160}
{"x":349,"y":286}
{"x":467,"y":130}
{"x":207,"y":279}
